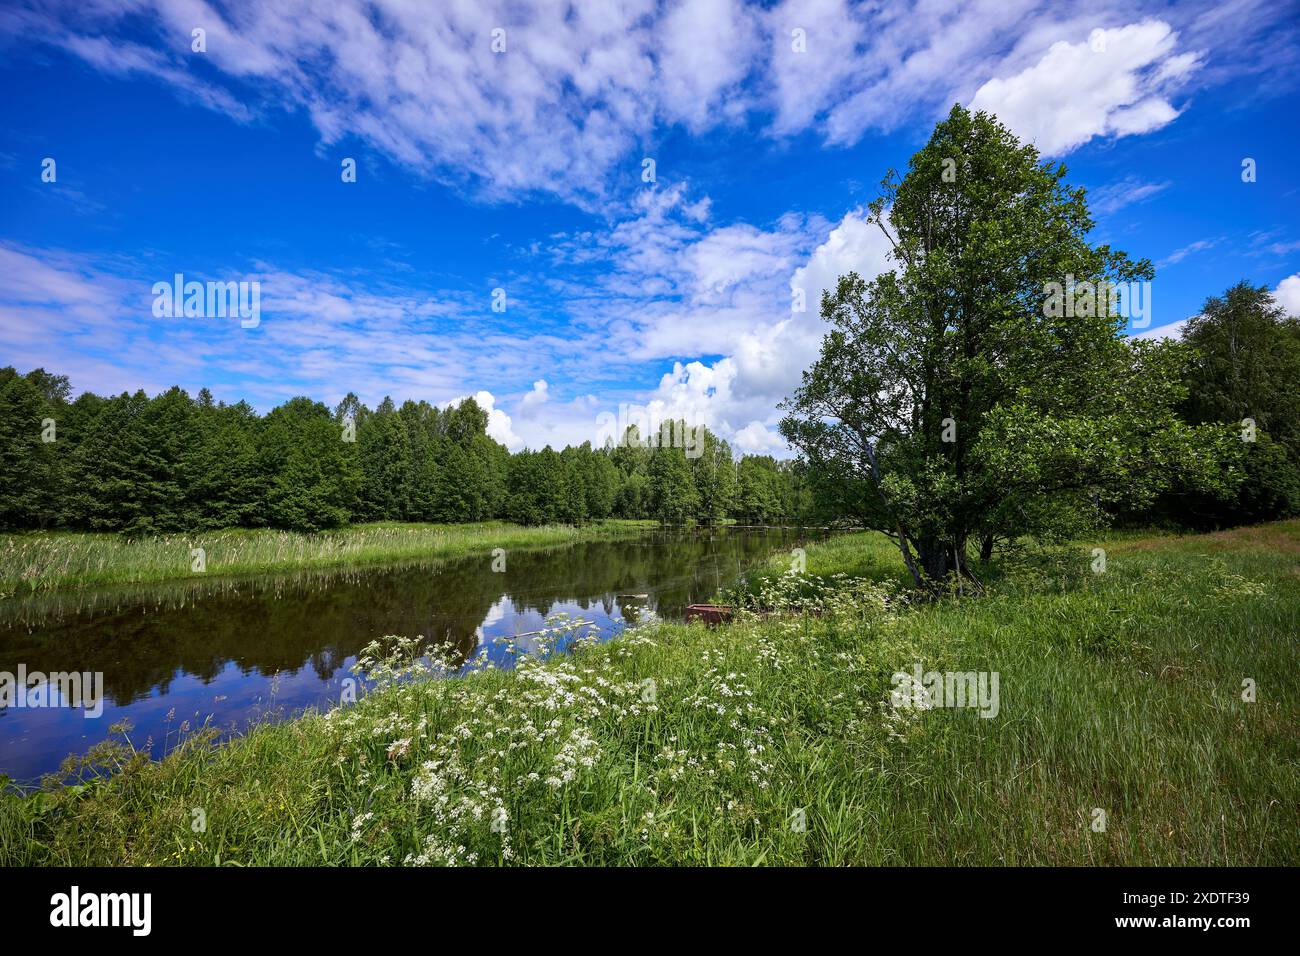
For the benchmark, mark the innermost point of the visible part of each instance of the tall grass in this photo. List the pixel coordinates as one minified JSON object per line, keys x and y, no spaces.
{"x":39,"y":562}
{"x":774,"y":741}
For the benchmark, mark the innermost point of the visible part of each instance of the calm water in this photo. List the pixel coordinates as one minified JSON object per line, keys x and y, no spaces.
{"x":236,"y":651}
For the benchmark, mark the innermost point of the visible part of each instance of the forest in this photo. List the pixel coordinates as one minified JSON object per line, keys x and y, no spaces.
{"x":140,"y":465}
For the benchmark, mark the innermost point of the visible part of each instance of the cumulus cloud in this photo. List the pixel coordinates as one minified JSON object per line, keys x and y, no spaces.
{"x":499,"y":427}
{"x":1115,"y":83}
{"x":767,"y":344}
{"x":561,"y":423}
{"x":757,"y":439}
{"x":1287,"y":294}
{"x":539,"y":394}
{"x":706,"y":49}
{"x":855,"y":245}
{"x":810,"y":68}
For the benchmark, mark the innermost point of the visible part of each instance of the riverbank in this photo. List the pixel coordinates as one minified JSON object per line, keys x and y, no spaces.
{"x":1121,"y":737}
{"x":41,"y":562}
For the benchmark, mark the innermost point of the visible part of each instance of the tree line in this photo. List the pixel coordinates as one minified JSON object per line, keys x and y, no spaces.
{"x":171,"y":463}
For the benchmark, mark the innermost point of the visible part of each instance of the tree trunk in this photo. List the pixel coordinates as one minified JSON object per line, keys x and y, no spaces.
{"x":986,"y":548}
{"x":938,"y":558}
{"x":907,"y":554}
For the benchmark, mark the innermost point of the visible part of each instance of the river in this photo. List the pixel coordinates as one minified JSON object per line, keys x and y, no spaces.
{"x":234,"y":651}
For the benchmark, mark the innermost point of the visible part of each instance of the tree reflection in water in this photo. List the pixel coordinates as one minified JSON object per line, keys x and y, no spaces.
{"x":236,"y":650}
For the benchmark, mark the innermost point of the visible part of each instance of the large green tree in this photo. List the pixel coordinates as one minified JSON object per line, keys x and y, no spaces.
{"x":220,"y":477}
{"x":958,"y":391}
{"x":713,"y":473}
{"x":383,"y":452}
{"x":670,"y":487}
{"x":312,"y":479}
{"x":1247,"y":363}
{"x":1245,"y":375}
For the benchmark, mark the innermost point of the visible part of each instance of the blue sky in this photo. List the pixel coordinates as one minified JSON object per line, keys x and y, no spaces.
{"x":522,"y":170}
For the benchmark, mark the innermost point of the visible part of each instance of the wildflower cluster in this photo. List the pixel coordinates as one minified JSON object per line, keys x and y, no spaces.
{"x":466,"y":754}
{"x":509,"y":766}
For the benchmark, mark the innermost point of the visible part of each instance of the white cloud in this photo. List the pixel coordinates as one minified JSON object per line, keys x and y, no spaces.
{"x":748,"y":310}
{"x":539,"y":394}
{"x":1287,"y":294}
{"x":1178,"y":255}
{"x":558,"y":424}
{"x":915,"y":59}
{"x":855,"y":245}
{"x":707,"y":48}
{"x":1110,"y":199}
{"x":805,"y":84}
{"x":1174,"y":330}
{"x":584,"y":91}
{"x":757,"y":439}
{"x":319,"y":335}
{"x":499,"y":427}
{"x":667,"y":284}
{"x":1115,"y":83}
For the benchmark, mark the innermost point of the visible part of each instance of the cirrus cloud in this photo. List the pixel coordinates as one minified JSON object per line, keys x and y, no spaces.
{"x":580,"y":92}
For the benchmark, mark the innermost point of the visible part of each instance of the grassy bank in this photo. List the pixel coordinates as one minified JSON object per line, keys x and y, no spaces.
{"x":39,"y":562}
{"x":773,"y":741}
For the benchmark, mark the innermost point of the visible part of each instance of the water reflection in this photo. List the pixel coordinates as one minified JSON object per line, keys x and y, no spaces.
{"x":235,"y":651}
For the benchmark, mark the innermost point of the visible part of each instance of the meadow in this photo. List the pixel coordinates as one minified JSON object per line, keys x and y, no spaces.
{"x":36,"y":562}
{"x":1148,"y":716}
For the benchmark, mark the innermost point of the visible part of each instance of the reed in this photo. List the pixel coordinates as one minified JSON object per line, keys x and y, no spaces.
{"x":41,"y":562}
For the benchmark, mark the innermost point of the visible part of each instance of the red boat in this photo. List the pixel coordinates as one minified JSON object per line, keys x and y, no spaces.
{"x":709,"y":613}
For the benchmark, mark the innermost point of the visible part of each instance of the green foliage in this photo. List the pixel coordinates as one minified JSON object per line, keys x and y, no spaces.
{"x":538,"y":492}
{"x":1246,"y":366}
{"x":314,"y":481}
{"x":758,"y":492}
{"x":172,"y":463}
{"x":602,"y":484}
{"x":224,"y":485}
{"x":713,"y":474}
{"x":633,"y":495}
{"x":951,"y":389}
{"x":383,"y":453}
{"x":28,"y":465}
{"x":670,"y":486}
{"x":1247,"y":363}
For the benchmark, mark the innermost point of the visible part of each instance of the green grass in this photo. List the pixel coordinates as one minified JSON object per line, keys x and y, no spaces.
{"x":1119,"y":691}
{"x":43,"y":562}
